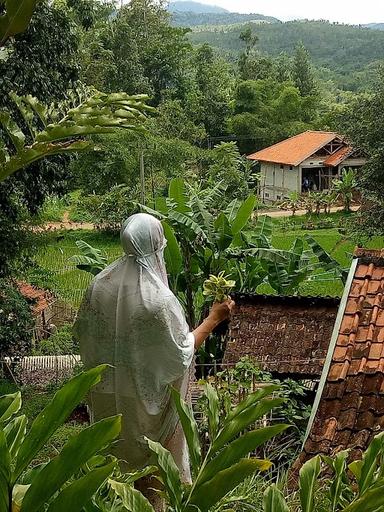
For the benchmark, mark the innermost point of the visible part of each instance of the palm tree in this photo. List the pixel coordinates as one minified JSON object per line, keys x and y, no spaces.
{"x":345,"y":186}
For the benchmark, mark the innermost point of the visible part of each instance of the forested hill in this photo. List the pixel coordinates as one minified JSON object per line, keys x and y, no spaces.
{"x":344,"y":49}
{"x":194,"y":7}
{"x":193,"y":19}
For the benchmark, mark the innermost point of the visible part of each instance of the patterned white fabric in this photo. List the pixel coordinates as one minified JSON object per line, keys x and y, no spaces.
{"x":131,"y":320}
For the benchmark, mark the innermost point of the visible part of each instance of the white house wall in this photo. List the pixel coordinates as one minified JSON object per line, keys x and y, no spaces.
{"x":353,"y":162}
{"x":312,"y":162}
{"x":278,"y":181}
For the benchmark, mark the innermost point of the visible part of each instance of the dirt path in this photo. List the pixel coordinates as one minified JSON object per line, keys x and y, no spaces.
{"x":56,"y":226}
{"x":288,"y":213}
{"x":67,"y":224}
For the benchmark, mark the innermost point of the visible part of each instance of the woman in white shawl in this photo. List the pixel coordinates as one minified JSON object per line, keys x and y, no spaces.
{"x":131,"y":320}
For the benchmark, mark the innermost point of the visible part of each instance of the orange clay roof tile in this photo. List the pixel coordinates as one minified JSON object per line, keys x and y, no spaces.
{"x":39,"y":298}
{"x":296,"y":149}
{"x":336,"y":158}
{"x":353,"y":394}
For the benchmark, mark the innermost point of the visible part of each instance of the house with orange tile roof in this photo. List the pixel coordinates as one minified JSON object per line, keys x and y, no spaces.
{"x":311,"y":157}
{"x":349,"y":406}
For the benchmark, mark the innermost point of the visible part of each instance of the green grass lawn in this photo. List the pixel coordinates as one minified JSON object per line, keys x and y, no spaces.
{"x":55,"y":249}
{"x":61,"y":275}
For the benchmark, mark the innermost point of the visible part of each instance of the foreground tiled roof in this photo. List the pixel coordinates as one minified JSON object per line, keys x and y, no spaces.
{"x":296,"y":149}
{"x":349,"y":410}
{"x":39,"y":298}
{"x":288,"y":335}
{"x":338,"y":157}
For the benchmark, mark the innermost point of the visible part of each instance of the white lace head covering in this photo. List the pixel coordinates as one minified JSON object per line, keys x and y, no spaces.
{"x":131,"y":320}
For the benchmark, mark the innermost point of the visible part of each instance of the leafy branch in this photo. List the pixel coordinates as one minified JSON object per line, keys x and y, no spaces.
{"x":54,"y":129}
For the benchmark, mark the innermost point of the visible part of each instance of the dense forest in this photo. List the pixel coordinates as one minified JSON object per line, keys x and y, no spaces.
{"x":212,"y":106}
{"x":346,"y":54}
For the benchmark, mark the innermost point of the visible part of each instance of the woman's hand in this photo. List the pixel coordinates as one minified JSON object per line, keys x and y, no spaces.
{"x":221,"y":311}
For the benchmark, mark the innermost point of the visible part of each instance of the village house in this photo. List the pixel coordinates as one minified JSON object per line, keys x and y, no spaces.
{"x":313,"y":157}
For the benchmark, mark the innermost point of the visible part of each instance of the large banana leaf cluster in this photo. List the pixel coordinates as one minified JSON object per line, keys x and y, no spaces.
{"x":90,"y":260}
{"x":354,"y":487}
{"x":198,"y":237}
{"x":203,"y":240}
{"x":226,"y":463}
{"x":15,"y":18}
{"x":54,"y":129}
{"x":70,"y":479}
{"x":285,"y":270}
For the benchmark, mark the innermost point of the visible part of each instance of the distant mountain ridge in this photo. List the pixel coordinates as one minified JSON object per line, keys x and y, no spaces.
{"x":196,"y":7}
{"x":375,"y":26}
{"x":190,"y":13}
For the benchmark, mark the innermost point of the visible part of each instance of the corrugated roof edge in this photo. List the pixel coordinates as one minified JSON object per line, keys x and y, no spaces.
{"x":292,"y":299}
{"x":367,"y":256}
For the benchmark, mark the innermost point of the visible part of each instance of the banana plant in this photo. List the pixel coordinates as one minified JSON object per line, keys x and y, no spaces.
{"x":90,"y":260}
{"x":60,"y":484}
{"x":226,"y":463}
{"x":15,"y":17}
{"x":345,"y":186}
{"x":57,"y":129}
{"x":366,"y":493}
{"x":198,"y":237}
{"x":283,"y":270}
{"x":293,"y":202}
{"x":332,"y":267}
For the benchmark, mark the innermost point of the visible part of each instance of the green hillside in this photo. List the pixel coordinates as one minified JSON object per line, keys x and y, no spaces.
{"x":193,"y":19}
{"x":349,"y":52}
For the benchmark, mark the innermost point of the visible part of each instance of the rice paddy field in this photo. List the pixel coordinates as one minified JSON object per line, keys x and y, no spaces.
{"x":59,"y":274}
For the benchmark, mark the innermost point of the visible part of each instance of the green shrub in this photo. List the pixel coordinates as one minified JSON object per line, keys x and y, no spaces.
{"x":110,"y":209}
{"x":354,"y":487}
{"x":54,"y":208}
{"x":67,"y":481}
{"x":59,"y":343}
{"x":215,"y":474}
{"x":238,"y":381}
{"x":16,"y":322}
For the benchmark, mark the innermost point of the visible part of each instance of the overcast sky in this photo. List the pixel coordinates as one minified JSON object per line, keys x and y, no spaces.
{"x":345,"y":11}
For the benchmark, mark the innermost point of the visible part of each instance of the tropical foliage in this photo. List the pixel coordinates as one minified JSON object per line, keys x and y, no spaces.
{"x":57,"y":130}
{"x":90,"y":259}
{"x":74,"y":475}
{"x":353,"y":487}
{"x":16,"y":322}
{"x":345,"y":186}
{"x":225,"y":463}
{"x":15,"y":18}
{"x":199,"y":237}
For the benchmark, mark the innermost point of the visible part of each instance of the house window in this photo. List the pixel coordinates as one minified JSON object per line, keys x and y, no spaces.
{"x":290,"y":167}
{"x":281,"y":166}
{"x":278,"y":198}
{"x":266,"y":194}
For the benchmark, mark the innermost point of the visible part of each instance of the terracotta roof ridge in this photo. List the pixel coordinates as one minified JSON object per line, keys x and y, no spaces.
{"x":295,"y":136}
{"x":295,"y":149}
